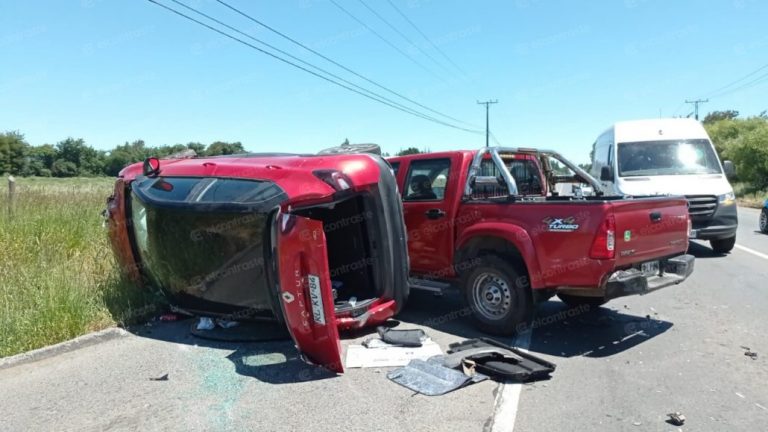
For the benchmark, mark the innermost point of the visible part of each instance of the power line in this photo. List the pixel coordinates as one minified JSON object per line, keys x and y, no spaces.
{"x":713,"y":92}
{"x":744,"y":86}
{"x":417,"y":114}
{"x":415,"y":27}
{"x":412,"y":111}
{"x":330,"y":60}
{"x":406,"y":38}
{"x":383,"y":39}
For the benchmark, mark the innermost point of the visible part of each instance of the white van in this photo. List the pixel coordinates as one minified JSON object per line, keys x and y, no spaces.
{"x":670,"y":157}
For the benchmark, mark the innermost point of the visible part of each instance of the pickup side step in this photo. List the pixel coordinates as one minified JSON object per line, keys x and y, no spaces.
{"x":435,"y":287}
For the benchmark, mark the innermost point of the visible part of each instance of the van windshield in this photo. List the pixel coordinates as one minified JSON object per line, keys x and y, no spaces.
{"x":671,"y":157}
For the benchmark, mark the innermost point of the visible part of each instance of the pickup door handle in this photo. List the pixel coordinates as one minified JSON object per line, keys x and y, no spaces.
{"x":655,"y":216}
{"x":434,"y":213}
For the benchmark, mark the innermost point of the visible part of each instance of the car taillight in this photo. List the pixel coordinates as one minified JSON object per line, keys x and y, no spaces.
{"x":690,"y":226}
{"x":604,"y":244}
{"x":335,"y":179}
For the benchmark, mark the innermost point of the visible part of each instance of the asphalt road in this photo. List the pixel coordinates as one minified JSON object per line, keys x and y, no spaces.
{"x":622,"y":367}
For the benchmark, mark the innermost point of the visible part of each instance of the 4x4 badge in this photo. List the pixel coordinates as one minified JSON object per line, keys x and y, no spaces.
{"x":561,"y":224}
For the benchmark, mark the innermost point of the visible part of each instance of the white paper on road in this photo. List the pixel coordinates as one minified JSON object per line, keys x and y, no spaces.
{"x":359,"y":356}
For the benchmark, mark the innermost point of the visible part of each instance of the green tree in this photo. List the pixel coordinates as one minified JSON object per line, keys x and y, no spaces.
{"x":64,"y":168}
{"x":40,"y":160}
{"x":409,"y":151}
{"x":224,"y":148}
{"x":13,"y":152}
{"x":87,"y":160}
{"x":715,"y":116}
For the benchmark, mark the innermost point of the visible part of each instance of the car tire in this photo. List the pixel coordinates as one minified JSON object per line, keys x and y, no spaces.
{"x":499,"y":296}
{"x":764,"y":221}
{"x":577,"y":301}
{"x":723,"y":245}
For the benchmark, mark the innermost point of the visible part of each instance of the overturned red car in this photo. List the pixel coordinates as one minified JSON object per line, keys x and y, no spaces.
{"x":314,"y":241}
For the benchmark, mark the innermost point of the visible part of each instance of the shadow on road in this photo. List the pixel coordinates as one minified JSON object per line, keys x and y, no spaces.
{"x":701,"y":251}
{"x":567,"y":332}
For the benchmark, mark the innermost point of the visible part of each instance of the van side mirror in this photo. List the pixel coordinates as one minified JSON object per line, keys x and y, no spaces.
{"x":730,"y":170}
{"x":606,"y":173}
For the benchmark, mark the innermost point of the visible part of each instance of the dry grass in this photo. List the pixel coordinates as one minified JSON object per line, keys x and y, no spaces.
{"x":58,"y":278}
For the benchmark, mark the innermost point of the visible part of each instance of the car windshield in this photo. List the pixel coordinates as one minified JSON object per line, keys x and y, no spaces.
{"x":672,"y":157}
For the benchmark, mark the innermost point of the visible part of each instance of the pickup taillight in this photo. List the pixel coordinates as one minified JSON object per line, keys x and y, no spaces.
{"x":604,"y":244}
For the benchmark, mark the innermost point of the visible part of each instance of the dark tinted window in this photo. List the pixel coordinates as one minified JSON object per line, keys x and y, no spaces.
{"x":427,"y":179}
{"x":395,"y":167}
{"x":208,"y":192}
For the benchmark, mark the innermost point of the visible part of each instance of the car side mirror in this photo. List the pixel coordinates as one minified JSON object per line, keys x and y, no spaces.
{"x":606,"y":173}
{"x":151,"y":166}
{"x":730,"y":170}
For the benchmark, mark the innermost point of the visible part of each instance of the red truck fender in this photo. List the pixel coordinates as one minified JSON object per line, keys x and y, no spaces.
{"x":495,"y":235}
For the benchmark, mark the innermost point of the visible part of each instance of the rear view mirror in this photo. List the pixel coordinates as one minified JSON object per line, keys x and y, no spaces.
{"x":606,"y":173}
{"x":730,"y":170}
{"x":151,"y":166}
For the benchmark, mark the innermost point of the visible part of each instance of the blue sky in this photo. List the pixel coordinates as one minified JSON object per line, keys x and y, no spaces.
{"x":112,"y":71}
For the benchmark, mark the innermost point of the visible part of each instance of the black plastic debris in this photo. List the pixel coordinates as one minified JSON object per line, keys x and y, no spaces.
{"x":161,"y":378}
{"x":406,"y":338}
{"x":498,"y":361}
{"x":676,"y":419}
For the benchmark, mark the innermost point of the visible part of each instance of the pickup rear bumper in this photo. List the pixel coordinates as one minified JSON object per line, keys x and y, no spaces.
{"x":633,"y":281}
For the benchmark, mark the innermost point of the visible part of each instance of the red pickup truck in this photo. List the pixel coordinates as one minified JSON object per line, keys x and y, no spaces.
{"x":512,"y":227}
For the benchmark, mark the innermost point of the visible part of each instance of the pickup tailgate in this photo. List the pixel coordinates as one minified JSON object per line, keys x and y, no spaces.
{"x":650,"y":228}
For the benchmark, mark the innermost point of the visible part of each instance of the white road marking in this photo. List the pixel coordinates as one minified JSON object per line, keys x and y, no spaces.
{"x":508,"y":397}
{"x":752,"y":251}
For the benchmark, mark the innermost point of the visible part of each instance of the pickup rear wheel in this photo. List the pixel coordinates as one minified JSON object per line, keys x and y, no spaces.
{"x":500,"y":299}
{"x":723,"y":245}
{"x":575,"y":301}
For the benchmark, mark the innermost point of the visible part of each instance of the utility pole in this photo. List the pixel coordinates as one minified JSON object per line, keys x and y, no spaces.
{"x":696,"y":105}
{"x":487,"y":105}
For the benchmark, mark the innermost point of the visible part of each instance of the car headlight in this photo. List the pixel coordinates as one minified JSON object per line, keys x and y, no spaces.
{"x":727,"y":199}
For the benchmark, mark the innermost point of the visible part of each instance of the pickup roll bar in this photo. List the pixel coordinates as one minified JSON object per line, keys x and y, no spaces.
{"x":507,"y":176}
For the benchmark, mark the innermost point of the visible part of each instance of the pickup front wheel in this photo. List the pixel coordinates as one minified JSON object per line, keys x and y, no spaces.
{"x":497,"y":294}
{"x":723,"y":245}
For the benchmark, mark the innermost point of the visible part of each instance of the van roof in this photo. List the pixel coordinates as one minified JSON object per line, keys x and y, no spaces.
{"x":658,"y":129}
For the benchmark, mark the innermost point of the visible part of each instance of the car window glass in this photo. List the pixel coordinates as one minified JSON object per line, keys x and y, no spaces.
{"x":427,"y":180}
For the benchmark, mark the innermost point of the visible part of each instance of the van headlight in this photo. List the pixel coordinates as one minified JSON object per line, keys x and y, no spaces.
{"x":727,"y":199}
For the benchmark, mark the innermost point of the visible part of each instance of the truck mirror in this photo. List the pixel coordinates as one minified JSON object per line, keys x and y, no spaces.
{"x":606,"y":173}
{"x":730,"y":170}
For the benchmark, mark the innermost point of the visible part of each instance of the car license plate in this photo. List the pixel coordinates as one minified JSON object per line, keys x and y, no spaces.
{"x":650,"y":268}
{"x":692,"y":234}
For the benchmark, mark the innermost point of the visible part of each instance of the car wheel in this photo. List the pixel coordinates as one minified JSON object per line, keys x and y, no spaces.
{"x":723,"y":245}
{"x":764,"y":221}
{"x":500,"y":299}
{"x":576,"y":301}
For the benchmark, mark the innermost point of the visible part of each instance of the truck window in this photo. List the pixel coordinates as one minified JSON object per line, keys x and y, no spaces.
{"x":524,"y":171}
{"x":427,"y":179}
{"x":395,"y":166}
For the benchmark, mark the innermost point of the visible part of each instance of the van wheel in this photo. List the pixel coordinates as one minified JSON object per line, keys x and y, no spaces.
{"x":500,"y":299}
{"x":576,"y":301}
{"x":723,"y":245}
{"x":764,"y":221}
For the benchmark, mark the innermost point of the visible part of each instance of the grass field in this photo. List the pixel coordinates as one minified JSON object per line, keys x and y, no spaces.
{"x":58,"y":278}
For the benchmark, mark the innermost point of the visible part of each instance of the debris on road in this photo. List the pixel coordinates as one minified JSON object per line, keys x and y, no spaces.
{"x":377,"y":353}
{"x":225,"y":324}
{"x":406,"y":338}
{"x":500,"y":362}
{"x":205,"y":323}
{"x":749,"y":353}
{"x":160,"y":378}
{"x":429,"y":378}
{"x":676,"y":418}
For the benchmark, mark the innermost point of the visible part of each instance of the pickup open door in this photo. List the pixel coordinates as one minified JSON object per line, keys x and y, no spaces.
{"x":305,"y":290}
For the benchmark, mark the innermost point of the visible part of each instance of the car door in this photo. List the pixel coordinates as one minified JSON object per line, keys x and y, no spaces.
{"x":305,"y":290}
{"x":426,"y":209}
